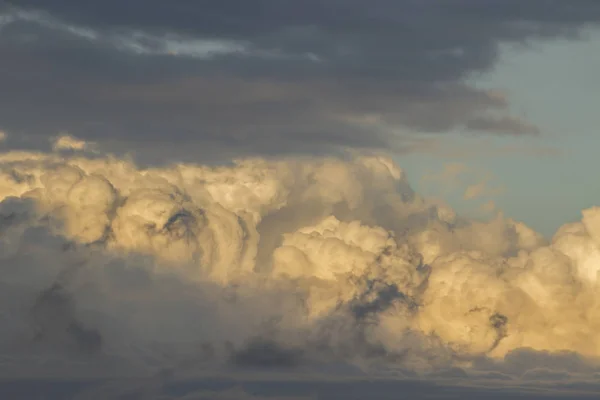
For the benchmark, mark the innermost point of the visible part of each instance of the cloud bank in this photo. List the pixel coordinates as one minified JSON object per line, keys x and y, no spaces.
{"x":234,"y":79}
{"x":294,"y":264}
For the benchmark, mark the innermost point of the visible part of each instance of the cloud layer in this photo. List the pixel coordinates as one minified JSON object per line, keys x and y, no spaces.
{"x":229,"y":78}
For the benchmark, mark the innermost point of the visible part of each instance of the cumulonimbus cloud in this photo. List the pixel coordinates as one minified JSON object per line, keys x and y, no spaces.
{"x":275,"y":264}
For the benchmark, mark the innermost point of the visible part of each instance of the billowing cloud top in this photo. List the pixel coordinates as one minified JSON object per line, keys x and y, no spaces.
{"x":294,"y":264}
{"x":231,"y":77}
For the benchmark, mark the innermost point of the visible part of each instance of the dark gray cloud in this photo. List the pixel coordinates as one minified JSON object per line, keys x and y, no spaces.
{"x":270,"y":76}
{"x":264,"y":353}
{"x":262,"y":388}
{"x":56,"y":324}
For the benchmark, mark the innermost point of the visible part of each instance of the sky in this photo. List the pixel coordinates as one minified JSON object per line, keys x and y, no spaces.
{"x":317,"y":199}
{"x":554,"y":85}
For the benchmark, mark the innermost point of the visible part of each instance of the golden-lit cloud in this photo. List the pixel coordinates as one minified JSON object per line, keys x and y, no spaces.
{"x":291,"y":263}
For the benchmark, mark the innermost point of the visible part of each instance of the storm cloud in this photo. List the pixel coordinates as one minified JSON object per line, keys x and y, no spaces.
{"x":227,"y":78}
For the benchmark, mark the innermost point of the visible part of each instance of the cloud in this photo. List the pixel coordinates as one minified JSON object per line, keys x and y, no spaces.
{"x":114,"y":275}
{"x":474,"y":183}
{"x":56,"y":324}
{"x":68,"y":142}
{"x":488,"y":207}
{"x":509,"y":125}
{"x":226,"y":79}
{"x":481,"y":189}
{"x":290,"y":389}
{"x":449,"y":174}
{"x":304,"y":266}
{"x":260,"y":353}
